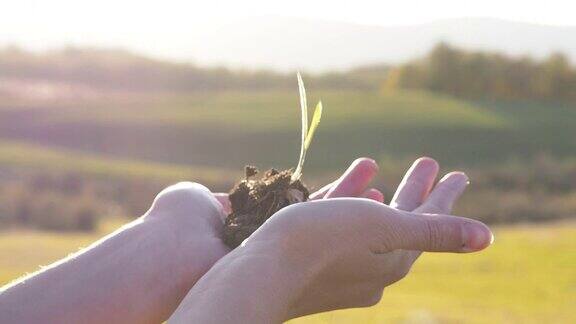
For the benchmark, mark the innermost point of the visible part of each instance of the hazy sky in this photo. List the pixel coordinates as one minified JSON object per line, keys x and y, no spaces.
{"x":159,"y":26}
{"x":111,"y":14}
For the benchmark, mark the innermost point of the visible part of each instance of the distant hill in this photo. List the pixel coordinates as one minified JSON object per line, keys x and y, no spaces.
{"x":123,"y":70}
{"x":75,"y":72}
{"x":84,"y":72}
{"x":289,"y":43}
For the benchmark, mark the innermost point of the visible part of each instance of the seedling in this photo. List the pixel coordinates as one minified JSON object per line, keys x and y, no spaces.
{"x":253,"y":201}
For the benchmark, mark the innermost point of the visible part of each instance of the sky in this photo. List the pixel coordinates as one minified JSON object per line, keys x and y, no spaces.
{"x":159,"y":26}
{"x":110,"y":14}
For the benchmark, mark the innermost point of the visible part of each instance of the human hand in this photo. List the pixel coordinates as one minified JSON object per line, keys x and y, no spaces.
{"x":413,"y":194}
{"x":140,"y":272}
{"x":193,"y":217}
{"x":333,"y":253}
{"x":358,"y":248}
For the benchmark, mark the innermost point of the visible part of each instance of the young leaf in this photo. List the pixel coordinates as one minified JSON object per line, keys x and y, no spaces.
{"x":304,"y":116}
{"x":306,"y":135}
{"x":314,"y":124}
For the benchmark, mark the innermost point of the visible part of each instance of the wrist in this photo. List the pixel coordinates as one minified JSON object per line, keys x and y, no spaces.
{"x":273,"y":265}
{"x":254,"y":283}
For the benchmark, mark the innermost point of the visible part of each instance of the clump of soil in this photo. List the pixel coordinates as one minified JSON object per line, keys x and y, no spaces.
{"x":255,"y":200}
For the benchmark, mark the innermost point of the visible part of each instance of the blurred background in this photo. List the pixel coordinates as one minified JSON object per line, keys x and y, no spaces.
{"x":102,"y":104}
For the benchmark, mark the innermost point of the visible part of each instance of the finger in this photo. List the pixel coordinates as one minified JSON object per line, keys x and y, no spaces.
{"x":442,"y":199}
{"x":355,"y":180}
{"x":373,"y":194}
{"x":320,"y":193}
{"x":415,"y":185}
{"x":445,"y":194}
{"x":224,"y":201}
{"x":439,"y":233}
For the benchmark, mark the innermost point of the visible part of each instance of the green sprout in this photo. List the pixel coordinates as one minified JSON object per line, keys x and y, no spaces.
{"x":307,"y":134}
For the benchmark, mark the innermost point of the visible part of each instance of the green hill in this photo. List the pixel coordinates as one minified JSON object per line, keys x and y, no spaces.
{"x":30,"y":157}
{"x":229,"y":129}
{"x":120,"y":150}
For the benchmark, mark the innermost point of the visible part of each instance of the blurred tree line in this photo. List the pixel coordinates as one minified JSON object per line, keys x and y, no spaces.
{"x":70,"y":201}
{"x":541,"y":189}
{"x":445,"y":69}
{"x":119,"y":70}
{"x":481,"y":75}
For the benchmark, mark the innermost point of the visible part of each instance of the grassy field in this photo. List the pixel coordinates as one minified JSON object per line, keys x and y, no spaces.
{"x":527,"y":276}
{"x":75,"y":154}
{"x":262,"y":128}
{"x":119,"y":144}
{"x":26,"y":156}
{"x":127,"y":147}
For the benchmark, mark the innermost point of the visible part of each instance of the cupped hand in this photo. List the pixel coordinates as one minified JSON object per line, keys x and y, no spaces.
{"x":348,"y":250}
{"x":192,"y":217}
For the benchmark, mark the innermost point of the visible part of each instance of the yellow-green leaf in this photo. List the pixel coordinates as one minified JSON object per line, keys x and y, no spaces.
{"x":314,"y":124}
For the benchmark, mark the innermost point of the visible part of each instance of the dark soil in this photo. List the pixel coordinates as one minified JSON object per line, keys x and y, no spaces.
{"x":255,"y":200}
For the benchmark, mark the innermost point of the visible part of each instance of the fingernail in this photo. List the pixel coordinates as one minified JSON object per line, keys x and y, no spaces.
{"x":426,"y":162}
{"x":459,"y":179}
{"x":371,"y":161}
{"x":476,"y":238}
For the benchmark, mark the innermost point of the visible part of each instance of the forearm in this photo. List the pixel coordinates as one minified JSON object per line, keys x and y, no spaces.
{"x":131,"y":276}
{"x":254,"y":287}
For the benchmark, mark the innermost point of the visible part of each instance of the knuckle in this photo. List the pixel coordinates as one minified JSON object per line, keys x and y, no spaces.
{"x":367,"y":215}
{"x":436,"y":207}
{"x":433,"y":235}
{"x":183,"y":190}
{"x":364,"y":295}
{"x":415,"y":181}
{"x":372,"y":298}
{"x":182,"y":194}
{"x":401,"y":273}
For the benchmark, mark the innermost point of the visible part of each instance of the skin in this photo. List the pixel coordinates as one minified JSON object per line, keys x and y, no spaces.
{"x":334,"y":253}
{"x":141,"y":272}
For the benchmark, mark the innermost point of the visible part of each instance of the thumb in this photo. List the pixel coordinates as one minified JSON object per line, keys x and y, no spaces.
{"x":442,"y":233}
